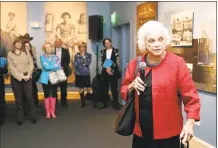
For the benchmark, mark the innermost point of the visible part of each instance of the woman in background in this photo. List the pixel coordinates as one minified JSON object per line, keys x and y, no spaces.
{"x":28,"y":47}
{"x":49,"y":63}
{"x":82,"y":60}
{"x":167,"y":83}
{"x":21,"y":67}
{"x":111,"y":74}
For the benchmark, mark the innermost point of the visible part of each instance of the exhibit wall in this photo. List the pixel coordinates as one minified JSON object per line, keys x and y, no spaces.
{"x":36,"y":14}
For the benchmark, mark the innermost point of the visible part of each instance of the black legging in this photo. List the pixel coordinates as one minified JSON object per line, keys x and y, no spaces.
{"x":49,"y":90}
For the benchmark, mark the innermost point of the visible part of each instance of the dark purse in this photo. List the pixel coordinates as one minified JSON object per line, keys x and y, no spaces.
{"x":36,"y":73}
{"x":118,"y":73}
{"x":69,"y":71}
{"x":126,"y":118}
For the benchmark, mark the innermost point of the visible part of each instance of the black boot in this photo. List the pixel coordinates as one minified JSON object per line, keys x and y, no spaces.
{"x":89,"y":97}
{"x":116,"y":106}
{"x":103,"y":106}
{"x":82,"y":97}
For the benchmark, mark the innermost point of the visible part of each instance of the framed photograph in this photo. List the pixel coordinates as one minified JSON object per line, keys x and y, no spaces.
{"x":182,"y":29}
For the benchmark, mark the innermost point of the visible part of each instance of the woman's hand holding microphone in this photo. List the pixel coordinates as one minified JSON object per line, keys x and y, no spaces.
{"x":138,"y":85}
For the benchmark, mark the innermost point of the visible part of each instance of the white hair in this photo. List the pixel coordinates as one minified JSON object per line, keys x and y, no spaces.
{"x":148,"y":28}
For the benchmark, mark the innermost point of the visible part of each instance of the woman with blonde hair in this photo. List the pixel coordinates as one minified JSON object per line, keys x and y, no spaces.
{"x":21,"y":67}
{"x":159,"y":96}
{"x":49,"y":63}
{"x":82,"y":60}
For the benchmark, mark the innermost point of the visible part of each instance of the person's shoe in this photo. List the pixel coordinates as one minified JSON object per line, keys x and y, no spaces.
{"x":38,"y":105}
{"x":19,"y":123}
{"x":95,"y":104}
{"x":103,"y":107}
{"x":89,"y":97}
{"x":64,"y":104}
{"x":82,"y":105}
{"x":33,"y":121}
{"x":116,"y":106}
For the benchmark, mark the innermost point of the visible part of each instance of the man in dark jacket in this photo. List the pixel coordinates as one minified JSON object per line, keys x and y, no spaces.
{"x":64,"y":60}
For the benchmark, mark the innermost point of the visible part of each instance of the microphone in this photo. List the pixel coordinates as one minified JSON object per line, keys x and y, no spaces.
{"x":142,"y":66}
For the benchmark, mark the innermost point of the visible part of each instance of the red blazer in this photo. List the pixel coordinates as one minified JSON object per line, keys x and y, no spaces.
{"x":168,"y":78}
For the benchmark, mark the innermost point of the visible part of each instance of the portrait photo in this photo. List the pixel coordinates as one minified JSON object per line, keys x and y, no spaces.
{"x":13,"y":23}
{"x":182,"y":29}
{"x":68,"y":24}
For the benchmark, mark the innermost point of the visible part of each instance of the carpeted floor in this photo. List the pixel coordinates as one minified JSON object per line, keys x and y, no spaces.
{"x":74,"y":127}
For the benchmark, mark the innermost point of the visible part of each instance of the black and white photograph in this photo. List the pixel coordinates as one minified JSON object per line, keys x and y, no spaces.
{"x":182,"y":29}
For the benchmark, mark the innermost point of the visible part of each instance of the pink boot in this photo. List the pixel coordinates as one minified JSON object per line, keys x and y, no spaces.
{"x":47,"y":107}
{"x":52,"y":107}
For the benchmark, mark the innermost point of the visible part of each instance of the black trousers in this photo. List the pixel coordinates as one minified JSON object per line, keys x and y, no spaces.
{"x":49,"y":90}
{"x":21,"y":90}
{"x":35,"y":96}
{"x":63,"y":87}
{"x":35,"y":92}
{"x":107,"y":81}
{"x":143,"y":142}
{"x":2,"y":99}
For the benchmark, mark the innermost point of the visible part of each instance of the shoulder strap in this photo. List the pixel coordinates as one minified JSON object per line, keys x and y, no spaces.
{"x":137,"y":65}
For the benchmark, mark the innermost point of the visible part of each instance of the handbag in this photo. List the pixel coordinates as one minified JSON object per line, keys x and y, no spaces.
{"x":126,"y":118}
{"x":118,"y":73}
{"x":53,"y":79}
{"x":36,"y":73}
{"x":61,"y":75}
{"x":69,"y":71}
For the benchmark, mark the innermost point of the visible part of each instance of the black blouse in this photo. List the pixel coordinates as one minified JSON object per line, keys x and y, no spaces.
{"x":145,"y":112}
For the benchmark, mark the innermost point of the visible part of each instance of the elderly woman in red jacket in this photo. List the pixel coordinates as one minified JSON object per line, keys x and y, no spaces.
{"x":167,"y":83}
